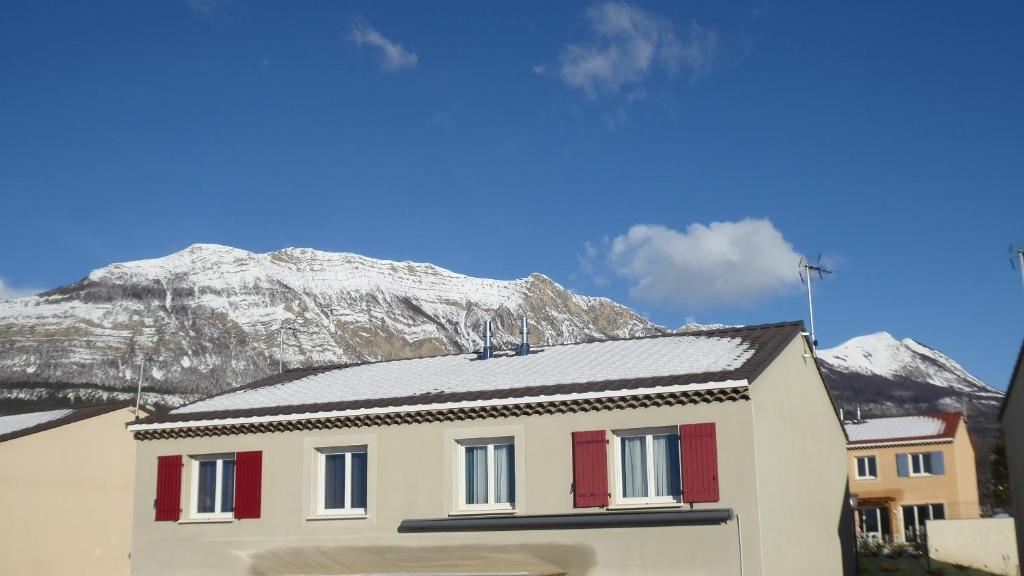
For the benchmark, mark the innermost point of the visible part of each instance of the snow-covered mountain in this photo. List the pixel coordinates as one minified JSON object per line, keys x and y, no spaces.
{"x":883,"y":358}
{"x":210,"y":317}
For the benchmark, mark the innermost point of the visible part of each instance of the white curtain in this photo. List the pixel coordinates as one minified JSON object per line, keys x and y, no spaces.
{"x":504,"y":473}
{"x":634,"y":467}
{"x":666,"y":465}
{"x":476,"y":474}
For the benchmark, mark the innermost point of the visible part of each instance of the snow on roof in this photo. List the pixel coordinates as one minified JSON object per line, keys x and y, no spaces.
{"x":900,"y":427}
{"x":9,"y":424}
{"x":556,"y":365}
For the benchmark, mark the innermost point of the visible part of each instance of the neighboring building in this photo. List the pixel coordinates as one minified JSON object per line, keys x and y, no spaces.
{"x":65,"y":491}
{"x":906,"y":470}
{"x":1012,"y":417}
{"x":715,"y":452}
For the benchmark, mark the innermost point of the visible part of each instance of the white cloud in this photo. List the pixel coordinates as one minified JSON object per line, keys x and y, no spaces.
{"x":705,"y":266}
{"x":394,"y":56}
{"x":628,"y":44}
{"x":7,"y":292}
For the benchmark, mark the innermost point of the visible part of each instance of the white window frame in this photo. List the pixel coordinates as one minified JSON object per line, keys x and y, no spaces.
{"x":918,"y":457}
{"x":321,"y":477}
{"x":218,"y":489}
{"x":650,"y":499}
{"x":856,"y":464}
{"x":491,"y":505}
{"x":880,"y":534}
{"x":917,"y":523}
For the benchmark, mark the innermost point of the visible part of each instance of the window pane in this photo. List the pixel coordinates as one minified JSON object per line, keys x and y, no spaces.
{"x":504,"y":473}
{"x":205,"y":500}
{"x":359,"y":479}
{"x":227,"y":486}
{"x":872,"y":467}
{"x":869,"y":518}
{"x":334,"y":481}
{"x":938,"y":512}
{"x":476,"y":474}
{"x":915,"y":464}
{"x":666,"y":465}
{"x":634,"y":466}
{"x":927,"y":459}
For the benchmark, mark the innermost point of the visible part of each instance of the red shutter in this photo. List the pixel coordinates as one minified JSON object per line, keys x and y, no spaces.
{"x":590,"y":469}
{"x":700,"y":462}
{"x":168,"y":488}
{"x":248,"y":484}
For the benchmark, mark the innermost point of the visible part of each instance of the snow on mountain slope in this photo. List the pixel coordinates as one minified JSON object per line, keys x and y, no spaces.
{"x":210,"y":317}
{"x":884,"y":356}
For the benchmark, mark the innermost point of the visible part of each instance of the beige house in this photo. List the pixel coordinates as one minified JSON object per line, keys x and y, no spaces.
{"x":65,"y":491}
{"x":714,"y":452}
{"x":1012,"y":418}
{"x":907,"y":470}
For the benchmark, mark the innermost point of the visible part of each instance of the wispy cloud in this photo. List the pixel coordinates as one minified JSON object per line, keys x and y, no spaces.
{"x":8,"y":292}
{"x":394,"y":56}
{"x":702,"y":267}
{"x":628,"y":44}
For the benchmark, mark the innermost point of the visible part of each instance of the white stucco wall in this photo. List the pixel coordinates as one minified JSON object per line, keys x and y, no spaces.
{"x":988,"y":544}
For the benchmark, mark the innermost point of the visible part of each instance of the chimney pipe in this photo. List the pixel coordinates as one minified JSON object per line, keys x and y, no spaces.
{"x":858,"y":412}
{"x":524,"y":332}
{"x":841,"y":417}
{"x":488,"y":351}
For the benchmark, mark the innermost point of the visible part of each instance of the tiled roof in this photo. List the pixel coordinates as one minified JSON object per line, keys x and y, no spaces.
{"x":936,"y":426}
{"x":722,"y":355}
{"x":18,"y":425}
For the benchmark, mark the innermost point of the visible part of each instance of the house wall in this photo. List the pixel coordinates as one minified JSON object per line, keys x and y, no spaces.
{"x":801,"y":470}
{"x":65,"y":499}
{"x":957,"y":489}
{"x":1013,"y":434}
{"x":411,"y":471}
{"x":988,"y":544}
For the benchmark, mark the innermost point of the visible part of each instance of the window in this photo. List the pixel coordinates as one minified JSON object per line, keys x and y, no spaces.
{"x":213,"y":486}
{"x":867,"y":468}
{"x":914,"y":518}
{"x":341,"y":480}
{"x":487,"y":469}
{"x":873,"y":522}
{"x":922,"y":464}
{"x":648,"y":467}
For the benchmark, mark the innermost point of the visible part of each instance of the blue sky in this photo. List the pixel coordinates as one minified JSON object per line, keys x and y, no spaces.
{"x":594,"y":142}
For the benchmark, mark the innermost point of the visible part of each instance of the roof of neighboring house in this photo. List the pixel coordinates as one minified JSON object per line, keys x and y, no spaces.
{"x":18,"y":425}
{"x":1013,"y":378}
{"x":936,"y":426}
{"x":711,"y":358}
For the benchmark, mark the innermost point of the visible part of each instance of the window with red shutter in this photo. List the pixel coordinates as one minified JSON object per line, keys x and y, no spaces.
{"x":248,"y":484}
{"x":590,"y":469}
{"x":168,"y":489}
{"x":699,"y":457}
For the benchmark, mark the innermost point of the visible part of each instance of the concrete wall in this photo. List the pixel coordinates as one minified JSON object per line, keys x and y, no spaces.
{"x":957,"y":489}
{"x":410,"y":477}
{"x":65,"y":499}
{"x":1013,"y":434}
{"x":801,"y":470}
{"x":988,"y":544}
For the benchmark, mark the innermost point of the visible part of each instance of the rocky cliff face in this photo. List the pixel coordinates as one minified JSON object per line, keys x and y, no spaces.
{"x":210,"y":317}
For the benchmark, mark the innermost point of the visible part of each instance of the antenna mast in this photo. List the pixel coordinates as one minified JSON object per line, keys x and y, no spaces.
{"x":138,"y":395}
{"x":807,"y":271}
{"x":1017,"y":258}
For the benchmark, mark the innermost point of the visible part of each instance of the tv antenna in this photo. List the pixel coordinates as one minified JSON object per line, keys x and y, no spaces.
{"x":807,"y":271}
{"x":1017,"y":258}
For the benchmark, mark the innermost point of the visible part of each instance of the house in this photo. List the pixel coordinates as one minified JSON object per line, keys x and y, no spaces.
{"x":66,"y":491}
{"x":1011,"y":415}
{"x":715,"y":452}
{"x":906,"y":470}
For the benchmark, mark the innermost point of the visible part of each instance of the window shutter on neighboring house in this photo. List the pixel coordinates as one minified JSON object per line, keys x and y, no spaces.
{"x":248,"y":484}
{"x":168,"y":488}
{"x":938,"y":463}
{"x":699,"y":454}
{"x":903,"y":465}
{"x":590,"y":469}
